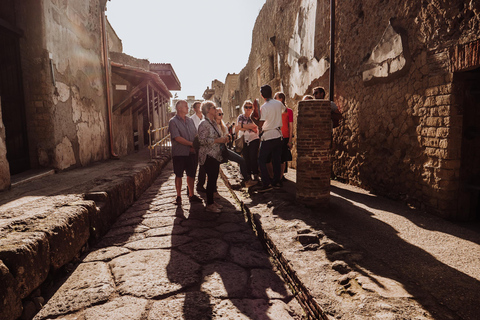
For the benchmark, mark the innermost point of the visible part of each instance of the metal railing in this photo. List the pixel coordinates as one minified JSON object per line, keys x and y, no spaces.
{"x":158,"y":143}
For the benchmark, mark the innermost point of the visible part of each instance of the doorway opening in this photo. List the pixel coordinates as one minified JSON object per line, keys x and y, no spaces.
{"x":468,"y":85}
{"x":12,"y":102}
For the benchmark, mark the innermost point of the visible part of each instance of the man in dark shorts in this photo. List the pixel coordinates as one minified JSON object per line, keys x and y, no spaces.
{"x":182,"y":132}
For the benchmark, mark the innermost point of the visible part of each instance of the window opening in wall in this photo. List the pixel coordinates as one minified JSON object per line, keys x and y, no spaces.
{"x":259,"y":78}
{"x":272,"y":67}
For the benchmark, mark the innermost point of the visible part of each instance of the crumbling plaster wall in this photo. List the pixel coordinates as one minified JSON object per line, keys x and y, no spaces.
{"x":66,"y":108}
{"x":402,"y":130}
{"x":73,"y":30}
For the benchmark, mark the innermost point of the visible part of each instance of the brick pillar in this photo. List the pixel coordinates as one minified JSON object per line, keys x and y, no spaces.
{"x":314,"y":134}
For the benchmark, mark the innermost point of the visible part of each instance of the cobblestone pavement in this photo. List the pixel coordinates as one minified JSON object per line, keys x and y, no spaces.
{"x":160,"y":261}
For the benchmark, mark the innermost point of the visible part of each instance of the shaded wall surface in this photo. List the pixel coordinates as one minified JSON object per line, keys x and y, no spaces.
{"x":64,"y":82}
{"x":397,"y":67}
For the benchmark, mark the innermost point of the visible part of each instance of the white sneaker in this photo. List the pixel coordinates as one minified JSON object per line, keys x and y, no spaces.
{"x":212,"y":208}
{"x":250,"y":183}
{"x":219,"y":206}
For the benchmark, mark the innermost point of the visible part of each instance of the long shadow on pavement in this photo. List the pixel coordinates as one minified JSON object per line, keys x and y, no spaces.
{"x":214,"y":265}
{"x":437,"y":286}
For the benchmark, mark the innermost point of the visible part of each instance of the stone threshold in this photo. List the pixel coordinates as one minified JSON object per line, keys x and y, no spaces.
{"x":29,"y":176}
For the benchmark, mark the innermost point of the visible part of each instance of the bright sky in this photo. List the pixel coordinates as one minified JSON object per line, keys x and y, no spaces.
{"x":204,"y":40}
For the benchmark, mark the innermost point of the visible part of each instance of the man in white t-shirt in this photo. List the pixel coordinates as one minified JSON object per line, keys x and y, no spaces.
{"x":270,"y":123}
{"x":202,"y":175}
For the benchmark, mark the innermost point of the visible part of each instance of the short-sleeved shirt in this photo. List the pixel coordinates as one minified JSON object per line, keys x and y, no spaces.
{"x":271,"y":113}
{"x":287,"y":117}
{"x":181,"y":128}
{"x":196,"y":120}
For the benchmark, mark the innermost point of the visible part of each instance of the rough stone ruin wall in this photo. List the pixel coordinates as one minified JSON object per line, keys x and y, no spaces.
{"x":401,"y":135}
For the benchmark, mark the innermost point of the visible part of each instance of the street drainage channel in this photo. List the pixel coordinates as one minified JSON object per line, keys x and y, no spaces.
{"x":303,"y":295}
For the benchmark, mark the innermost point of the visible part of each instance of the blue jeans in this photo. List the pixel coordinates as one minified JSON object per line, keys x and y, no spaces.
{"x":235,"y":157}
{"x":271,"y":148}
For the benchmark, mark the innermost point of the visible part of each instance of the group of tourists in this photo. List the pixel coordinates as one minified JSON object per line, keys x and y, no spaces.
{"x":205,"y":141}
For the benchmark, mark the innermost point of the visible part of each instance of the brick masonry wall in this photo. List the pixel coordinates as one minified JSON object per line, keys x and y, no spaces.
{"x":313,"y":147}
{"x":401,"y":134}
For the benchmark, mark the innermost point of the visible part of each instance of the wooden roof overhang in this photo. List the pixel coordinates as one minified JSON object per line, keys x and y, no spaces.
{"x":167,"y":74}
{"x":145,"y":85}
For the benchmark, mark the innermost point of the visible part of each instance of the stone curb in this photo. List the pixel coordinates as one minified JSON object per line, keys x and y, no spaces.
{"x":27,"y":257}
{"x":301,"y":292}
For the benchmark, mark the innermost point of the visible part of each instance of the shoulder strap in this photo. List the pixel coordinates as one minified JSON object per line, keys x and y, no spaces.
{"x":214,"y":128}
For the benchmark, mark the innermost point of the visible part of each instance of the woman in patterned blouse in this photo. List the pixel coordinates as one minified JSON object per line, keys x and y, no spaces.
{"x":210,"y":154}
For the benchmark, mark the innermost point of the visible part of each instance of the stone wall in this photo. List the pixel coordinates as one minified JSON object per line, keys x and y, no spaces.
{"x":230,"y":98}
{"x":394,"y":82}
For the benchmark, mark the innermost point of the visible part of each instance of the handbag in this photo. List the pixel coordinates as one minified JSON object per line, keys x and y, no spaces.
{"x":239,"y":143}
{"x":223,"y":147}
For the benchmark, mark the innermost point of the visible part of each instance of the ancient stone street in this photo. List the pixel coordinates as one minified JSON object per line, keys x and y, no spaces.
{"x":162,"y":261}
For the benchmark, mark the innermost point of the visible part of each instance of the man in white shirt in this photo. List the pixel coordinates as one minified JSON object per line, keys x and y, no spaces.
{"x":202,"y":175}
{"x":271,"y":138}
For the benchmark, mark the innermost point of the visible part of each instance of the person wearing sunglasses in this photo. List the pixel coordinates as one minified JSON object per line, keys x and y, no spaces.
{"x":210,"y":151}
{"x":249,"y":130}
{"x":233,"y":156}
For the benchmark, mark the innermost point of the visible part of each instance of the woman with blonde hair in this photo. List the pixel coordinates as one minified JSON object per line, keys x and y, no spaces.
{"x":233,"y":156}
{"x":249,"y":130}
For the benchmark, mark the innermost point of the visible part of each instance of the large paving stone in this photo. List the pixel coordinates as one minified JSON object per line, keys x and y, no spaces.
{"x":158,"y":222}
{"x":249,"y":258}
{"x":88,"y":285}
{"x":231,"y":227}
{"x":206,"y":250}
{"x":266,"y":284}
{"x":120,"y":240}
{"x":166,"y":231}
{"x":122,"y":308}
{"x":159,"y":242}
{"x":239,"y":237}
{"x":247,"y":309}
{"x":224,"y":280}
{"x":152,"y":273}
{"x":125,"y":230}
{"x":105,"y":254}
{"x":189,"y":305}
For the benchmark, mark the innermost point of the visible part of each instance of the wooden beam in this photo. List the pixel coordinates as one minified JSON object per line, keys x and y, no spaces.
{"x":134,"y":91}
{"x":134,"y":101}
{"x":138,"y":106}
{"x":133,"y":105}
